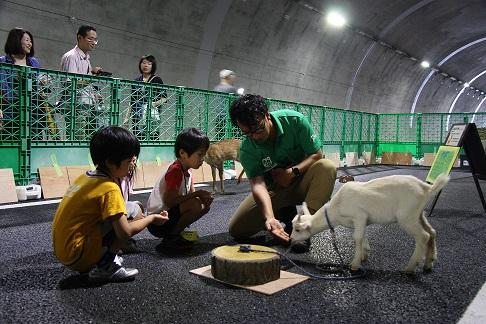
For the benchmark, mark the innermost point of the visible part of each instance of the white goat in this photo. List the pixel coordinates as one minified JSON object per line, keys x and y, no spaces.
{"x":397,"y":198}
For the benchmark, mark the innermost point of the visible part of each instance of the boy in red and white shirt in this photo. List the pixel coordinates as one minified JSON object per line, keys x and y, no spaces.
{"x":174,"y":191}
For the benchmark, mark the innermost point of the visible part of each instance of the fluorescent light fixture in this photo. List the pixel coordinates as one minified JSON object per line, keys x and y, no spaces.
{"x":335,"y":19}
{"x":240,"y":91}
{"x":425,"y":64}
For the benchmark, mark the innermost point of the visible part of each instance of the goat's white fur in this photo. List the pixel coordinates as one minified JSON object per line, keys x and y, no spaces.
{"x":397,"y":198}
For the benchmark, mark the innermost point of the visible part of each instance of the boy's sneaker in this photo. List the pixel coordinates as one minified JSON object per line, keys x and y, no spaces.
{"x":174,"y":244}
{"x":300,"y":247}
{"x":118,"y":260}
{"x":114,"y":273}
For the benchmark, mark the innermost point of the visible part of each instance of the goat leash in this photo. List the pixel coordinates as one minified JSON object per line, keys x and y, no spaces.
{"x":333,"y":236}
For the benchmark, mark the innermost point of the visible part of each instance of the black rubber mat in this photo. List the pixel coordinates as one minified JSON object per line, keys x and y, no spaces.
{"x":35,"y":288}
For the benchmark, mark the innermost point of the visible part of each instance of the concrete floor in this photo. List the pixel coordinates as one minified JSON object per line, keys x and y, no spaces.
{"x":35,"y":288}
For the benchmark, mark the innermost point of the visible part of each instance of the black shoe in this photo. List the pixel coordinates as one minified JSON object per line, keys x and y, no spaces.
{"x":286,"y":215}
{"x":174,"y":244}
{"x":300,"y":247}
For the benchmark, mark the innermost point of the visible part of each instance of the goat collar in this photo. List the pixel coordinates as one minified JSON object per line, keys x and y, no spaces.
{"x":327,"y":220}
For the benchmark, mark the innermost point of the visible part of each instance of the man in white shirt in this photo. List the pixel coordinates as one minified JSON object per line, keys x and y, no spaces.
{"x":77,"y":61}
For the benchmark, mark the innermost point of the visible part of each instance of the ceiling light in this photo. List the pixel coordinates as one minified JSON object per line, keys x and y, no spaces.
{"x":240,"y":91}
{"x":335,"y":19}
{"x":425,"y":64}
{"x":466,"y":84}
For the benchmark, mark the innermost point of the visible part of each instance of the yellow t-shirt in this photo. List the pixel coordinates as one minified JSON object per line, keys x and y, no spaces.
{"x":76,"y":228}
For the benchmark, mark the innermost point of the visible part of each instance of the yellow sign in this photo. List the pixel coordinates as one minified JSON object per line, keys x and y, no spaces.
{"x":443,"y":162}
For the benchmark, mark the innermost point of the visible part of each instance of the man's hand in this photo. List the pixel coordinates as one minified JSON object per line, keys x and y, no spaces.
{"x":282,"y":177}
{"x":274,"y":227}
{"x":160,"y":219}
{"x":206,"y":197}
{"x":97,"y":69}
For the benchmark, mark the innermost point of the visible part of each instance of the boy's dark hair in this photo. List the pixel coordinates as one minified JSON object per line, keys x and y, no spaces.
{"x":152,"y":60}
{"x":13,"y":45}
{"x":248,"y":110}
{"x":190,"y":140}
{"x":83,"y":31}
{"x":114,"y":144}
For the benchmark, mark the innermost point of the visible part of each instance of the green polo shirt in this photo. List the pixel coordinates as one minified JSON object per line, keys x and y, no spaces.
{"x":295,"y":140}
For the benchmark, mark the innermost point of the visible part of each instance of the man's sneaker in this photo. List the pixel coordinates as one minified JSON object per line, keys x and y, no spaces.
{"x":114,"y":273}
{"x":300,"y":247}
{"x":174,"y":244}
{"x":130,"y":247}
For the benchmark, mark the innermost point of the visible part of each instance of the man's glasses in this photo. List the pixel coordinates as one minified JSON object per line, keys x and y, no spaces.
{"x":257,"y":130}
{"x":92,"y":40}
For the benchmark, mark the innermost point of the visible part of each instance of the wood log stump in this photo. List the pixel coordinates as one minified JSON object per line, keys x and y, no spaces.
{"x":230,"y":265}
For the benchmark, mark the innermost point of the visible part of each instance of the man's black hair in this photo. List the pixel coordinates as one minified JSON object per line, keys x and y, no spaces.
{"x":190,"y":140}
{"x":114,"y":144}
{"x":248,"y":110}
{"x":84,"y":30}
{"x":152,"y":60}
{"x":13,"y":45}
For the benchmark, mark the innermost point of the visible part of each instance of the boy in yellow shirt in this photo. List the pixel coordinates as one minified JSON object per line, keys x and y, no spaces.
{"x":90,"y":224}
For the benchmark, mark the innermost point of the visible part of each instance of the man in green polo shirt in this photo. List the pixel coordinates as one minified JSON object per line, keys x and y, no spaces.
{"x":282,"y":158}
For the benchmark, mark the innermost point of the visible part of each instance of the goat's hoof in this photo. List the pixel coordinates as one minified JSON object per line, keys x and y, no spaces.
{"x":428,"y":267}
{"x":354,"y":268}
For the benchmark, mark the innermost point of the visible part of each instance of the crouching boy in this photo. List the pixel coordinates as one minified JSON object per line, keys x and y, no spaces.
{"x":174,"y":191}
{"x":90,"y":224}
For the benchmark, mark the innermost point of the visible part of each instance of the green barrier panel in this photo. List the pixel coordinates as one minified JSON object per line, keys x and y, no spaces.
{"x":50,"y":112}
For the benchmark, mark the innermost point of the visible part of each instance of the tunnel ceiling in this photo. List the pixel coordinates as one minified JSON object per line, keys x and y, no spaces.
{"x":449,"y":34}
{"x":283,"y":49}
{"x":372,"y":64}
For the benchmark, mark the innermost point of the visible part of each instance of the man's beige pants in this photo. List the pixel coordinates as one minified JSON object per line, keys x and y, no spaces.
{"x":314,"y":187}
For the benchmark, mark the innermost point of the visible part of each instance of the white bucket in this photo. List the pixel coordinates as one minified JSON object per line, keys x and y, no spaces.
{"x":21,"y":193}
{"x":229,"y":174}
{"x":32,"y":191}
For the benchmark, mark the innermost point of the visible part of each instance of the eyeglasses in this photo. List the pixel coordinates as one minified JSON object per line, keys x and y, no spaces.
{"x":92,"y":40}
{"x":257,"y":130}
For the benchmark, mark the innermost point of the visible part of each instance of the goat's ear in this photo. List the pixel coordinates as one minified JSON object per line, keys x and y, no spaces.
{"x":305,"y":209}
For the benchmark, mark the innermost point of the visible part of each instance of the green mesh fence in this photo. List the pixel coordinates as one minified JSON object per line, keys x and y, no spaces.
{"x":46,"y":111}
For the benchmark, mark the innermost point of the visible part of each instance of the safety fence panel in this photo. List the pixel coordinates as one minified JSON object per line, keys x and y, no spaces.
{"x":195,"y":109}
{"x":13,"y":82}
{"x":15,"y":120}
{"x":149,"y":111}
{"x":433,"y":128}
{"x":387,"y":129}
{"x":352,"y":127}
{"x":51,"y":112}
{"x":407,"y":128}
{"x":368,"y":128}
{"x":274,"y":104}
{"x":479,"y":119}
{"x":334,"y":120}
{"x":315,"y":116}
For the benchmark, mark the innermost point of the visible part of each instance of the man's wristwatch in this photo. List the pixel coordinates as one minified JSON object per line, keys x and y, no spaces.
{"x":296,"y":172}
